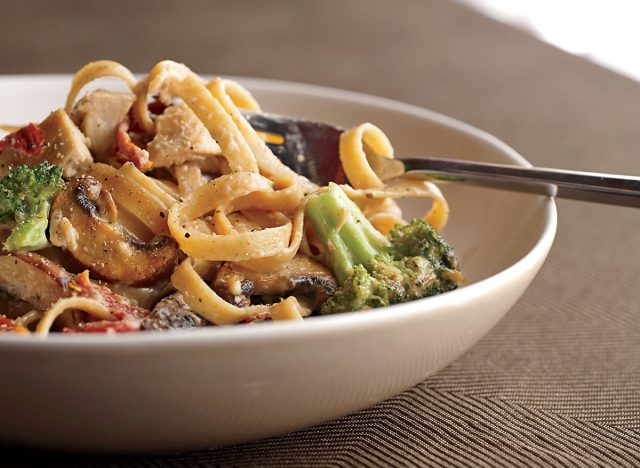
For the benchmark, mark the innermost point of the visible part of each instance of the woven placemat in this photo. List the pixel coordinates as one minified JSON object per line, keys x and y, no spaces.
{"x":557,"y":382}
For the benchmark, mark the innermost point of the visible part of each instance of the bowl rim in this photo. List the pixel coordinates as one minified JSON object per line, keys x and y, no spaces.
{"x":322,"y":324}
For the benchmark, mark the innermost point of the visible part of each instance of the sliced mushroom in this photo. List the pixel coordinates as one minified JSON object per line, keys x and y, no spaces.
{"x":84,"y":221}
{"x":301,"y":277}
{"x":180,"y":137}
{"x":98,"y":114}
{"x":172,"y":312}
{"x":33,"y":279}
{"x":64,"y":145}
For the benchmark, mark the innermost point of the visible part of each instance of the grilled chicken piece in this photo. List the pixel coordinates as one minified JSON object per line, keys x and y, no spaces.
{"x":180,"y":137}
{"x":33,"y":279}
{"x":84,"y":221}
{"x":301,"y":277}
{"x":170,"y":313}
{"x":63,"y":145}
{"x":98,"y":115}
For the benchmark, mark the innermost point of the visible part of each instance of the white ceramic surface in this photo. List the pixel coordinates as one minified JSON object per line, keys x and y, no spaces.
{"x":161,"y":392}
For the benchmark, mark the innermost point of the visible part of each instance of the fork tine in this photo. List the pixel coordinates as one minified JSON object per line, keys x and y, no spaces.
{"x":322,"y":152}
{"x":266,"y":122}
{"x":309,"y":148}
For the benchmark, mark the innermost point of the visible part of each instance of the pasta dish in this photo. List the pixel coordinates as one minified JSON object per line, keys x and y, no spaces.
{"x":162,"y":208}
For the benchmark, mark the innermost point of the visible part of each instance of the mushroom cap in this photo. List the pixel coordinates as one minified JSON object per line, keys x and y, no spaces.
{"x":84,"y":221}
{"x":303,"y":276}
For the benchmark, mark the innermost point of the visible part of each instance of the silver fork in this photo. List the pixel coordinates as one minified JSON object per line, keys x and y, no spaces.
{"x":311,"y":149}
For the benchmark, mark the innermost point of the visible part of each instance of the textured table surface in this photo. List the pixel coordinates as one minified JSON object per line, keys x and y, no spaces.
{"x":558,"y":380}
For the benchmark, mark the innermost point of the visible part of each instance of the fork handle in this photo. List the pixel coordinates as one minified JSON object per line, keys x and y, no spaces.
{"x":586,"y":186}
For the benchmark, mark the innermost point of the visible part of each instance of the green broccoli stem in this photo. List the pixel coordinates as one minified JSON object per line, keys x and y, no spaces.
{"x":30,"y":232}
{"x":348,"y":237}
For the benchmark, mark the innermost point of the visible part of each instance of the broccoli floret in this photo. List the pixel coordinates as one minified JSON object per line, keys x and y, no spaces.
{"x":374,"y":271}
{"x":418,"y":238}
{"x":25,"y":198}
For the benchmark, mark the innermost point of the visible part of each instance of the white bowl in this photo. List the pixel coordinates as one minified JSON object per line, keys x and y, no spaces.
{"x":188,"y":390}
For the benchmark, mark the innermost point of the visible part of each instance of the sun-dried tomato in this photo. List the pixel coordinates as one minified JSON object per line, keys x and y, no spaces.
{"x":127,"y":316}
{"x":8,"y":325}
{"x":27,"y":141}
{"x":128,"y":151}
{"x":105,"y":326}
